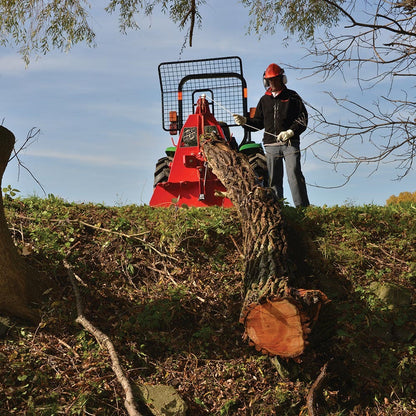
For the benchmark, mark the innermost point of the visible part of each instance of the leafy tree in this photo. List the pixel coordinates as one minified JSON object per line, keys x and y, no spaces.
{"x":378,"y":47}
{"x":181,"y":12}
{"x":37,"y":26}
{"x":297,"y":17}
{"x":369,"y":42}
{"x":403,"y":198}
{"x":372,"y":43}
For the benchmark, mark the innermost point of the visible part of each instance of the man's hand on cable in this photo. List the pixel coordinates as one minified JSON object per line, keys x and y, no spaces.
{"x":240,"y":120}
{"x":284,"y":136}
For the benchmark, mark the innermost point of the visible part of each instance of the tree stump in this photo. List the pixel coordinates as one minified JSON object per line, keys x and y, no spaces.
{"x":276,"y":314}
{"x":19,"y":286}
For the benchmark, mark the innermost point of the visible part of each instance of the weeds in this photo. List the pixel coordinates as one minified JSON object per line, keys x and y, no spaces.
{"x":166,"y":286}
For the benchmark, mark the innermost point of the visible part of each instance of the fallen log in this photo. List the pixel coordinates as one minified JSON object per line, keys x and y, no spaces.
{"x":276,"y":314}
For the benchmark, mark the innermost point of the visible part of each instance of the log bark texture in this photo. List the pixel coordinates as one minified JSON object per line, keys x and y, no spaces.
{"x":19,"y":285}
{"x":276,"y":314}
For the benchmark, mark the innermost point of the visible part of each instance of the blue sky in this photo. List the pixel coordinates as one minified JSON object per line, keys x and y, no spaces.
{"x":99,"y":110}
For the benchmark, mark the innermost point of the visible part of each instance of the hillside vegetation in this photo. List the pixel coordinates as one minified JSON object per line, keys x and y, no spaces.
{"x":166,"y":286}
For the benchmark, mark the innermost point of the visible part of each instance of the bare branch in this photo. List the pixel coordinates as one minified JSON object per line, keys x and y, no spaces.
{"x":30,"y":138}
{"x":381,"y":51}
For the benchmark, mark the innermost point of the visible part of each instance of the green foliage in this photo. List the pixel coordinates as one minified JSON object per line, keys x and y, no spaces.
{"x":166,"y":286}
{"x":303,"y":17}
{"x":229,"y":406}
{"x":362,"y":245}
{"x":179,"y":11}
{"x":10,"y":192}
{"x":179,"y":228}
{"x":37,"y":26}
{"x":162,"y":313}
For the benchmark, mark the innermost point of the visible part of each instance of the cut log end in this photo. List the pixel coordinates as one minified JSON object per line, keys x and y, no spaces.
{"x":280,"y":326}
{"x":275,"y":328}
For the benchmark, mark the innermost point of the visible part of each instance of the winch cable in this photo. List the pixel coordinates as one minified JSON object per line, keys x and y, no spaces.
{"x":254,"y":128}
{"x":248,"y":125}
{"x":204,"y":182}
{"x":229,"y":112}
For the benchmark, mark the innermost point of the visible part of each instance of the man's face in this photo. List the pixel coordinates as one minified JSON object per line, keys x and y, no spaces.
{"x":275,"y":83}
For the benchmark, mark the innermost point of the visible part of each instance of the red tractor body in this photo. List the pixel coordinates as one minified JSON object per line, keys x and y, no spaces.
{"x":190,"y":181}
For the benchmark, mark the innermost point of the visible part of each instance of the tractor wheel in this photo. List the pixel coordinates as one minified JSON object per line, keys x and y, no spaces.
{"x":162,"y":170}
{"x":259,"y":164}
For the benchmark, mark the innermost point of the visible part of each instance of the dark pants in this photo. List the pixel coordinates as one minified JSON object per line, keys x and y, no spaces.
{"x":291,"y":155}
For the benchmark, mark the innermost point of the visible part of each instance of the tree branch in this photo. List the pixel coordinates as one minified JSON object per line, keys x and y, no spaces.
{"x":314,"y":390}
{"x":105,"y":341}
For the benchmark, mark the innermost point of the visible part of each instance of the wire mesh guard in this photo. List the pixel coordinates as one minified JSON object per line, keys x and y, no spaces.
{"x":220,"y":79}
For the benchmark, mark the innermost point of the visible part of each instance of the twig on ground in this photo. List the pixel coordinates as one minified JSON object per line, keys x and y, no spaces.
{"x":237,"y":246}
{"x":313,"y":391}
{"x":386,"y":253}
{"x":67,"y":346}
{"x":134,"y":236}
{"x":106,"y":230}
{"x":104,"y":340}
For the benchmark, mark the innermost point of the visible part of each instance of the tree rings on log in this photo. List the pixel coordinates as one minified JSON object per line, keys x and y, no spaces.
{"x":281,"y":325}
{"x":275,"y":328}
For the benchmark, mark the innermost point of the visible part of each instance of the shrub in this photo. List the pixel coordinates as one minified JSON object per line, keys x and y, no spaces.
{"x":404,"y":197}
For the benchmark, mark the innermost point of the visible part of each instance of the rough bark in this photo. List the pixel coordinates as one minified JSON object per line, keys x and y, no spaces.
{"x":276,"y":313}
{"x":18,"y":285}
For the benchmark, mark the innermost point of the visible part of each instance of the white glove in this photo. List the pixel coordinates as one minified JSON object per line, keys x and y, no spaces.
{"x":240,"y":120}
{"x":284,"y":136}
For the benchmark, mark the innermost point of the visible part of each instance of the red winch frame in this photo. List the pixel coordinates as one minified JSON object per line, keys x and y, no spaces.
{"x":191,"y":181}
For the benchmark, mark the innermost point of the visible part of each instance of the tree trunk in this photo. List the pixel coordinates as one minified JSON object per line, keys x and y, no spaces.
{"x":276,"y":314}
{"x":17,"y":283}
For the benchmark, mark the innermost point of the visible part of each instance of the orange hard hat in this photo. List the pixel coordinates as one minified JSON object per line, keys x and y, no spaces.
{"x":273,"y":70}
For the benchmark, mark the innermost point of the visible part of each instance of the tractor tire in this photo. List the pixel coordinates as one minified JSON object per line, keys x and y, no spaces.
{"x":162,"y":170}
{"x":259,"y":164}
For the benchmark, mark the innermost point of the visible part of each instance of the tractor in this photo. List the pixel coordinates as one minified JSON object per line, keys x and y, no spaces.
{"x":204,"y":91}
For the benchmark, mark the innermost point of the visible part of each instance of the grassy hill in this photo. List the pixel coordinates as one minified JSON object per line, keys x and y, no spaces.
{"x":166,"y":286}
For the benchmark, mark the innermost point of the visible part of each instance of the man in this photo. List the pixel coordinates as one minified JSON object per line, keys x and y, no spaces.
{"x":283,"y":116}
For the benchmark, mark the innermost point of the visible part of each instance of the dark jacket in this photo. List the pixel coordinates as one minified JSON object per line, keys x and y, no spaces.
{"x":277,"y":114}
